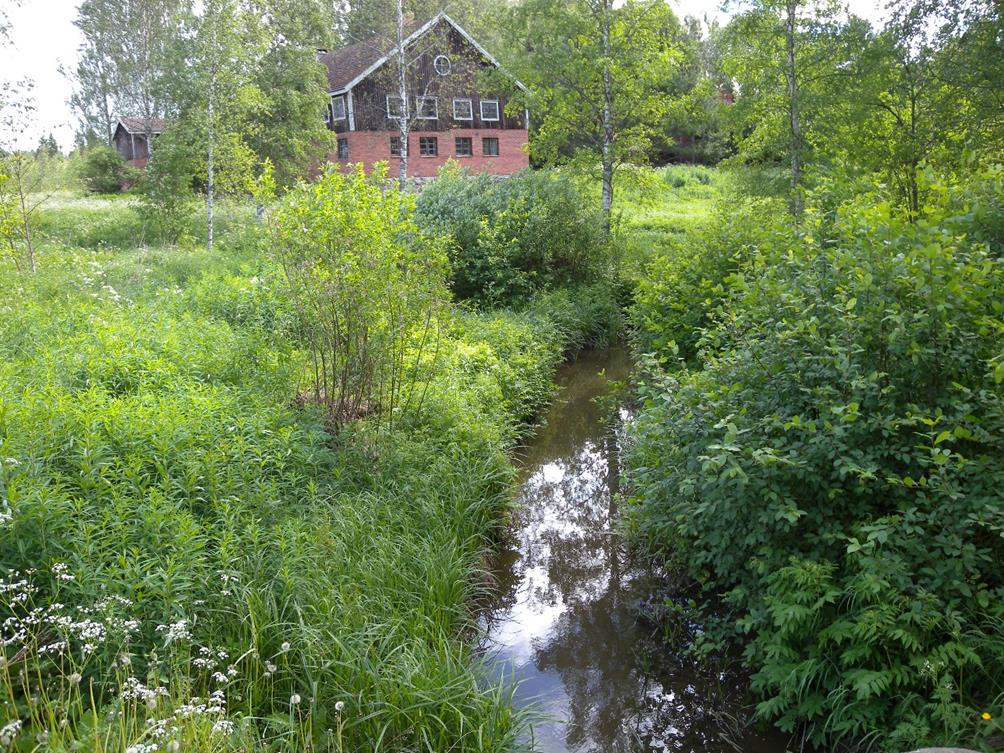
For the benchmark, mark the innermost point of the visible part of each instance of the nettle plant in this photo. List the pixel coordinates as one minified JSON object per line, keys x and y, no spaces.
{"x":84,"y":678}
{"x":369,"y":287}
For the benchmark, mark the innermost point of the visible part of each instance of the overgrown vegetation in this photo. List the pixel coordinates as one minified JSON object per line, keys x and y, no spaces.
{"x":830,"y":457}
{"x":194,"y":560}
{"x":510,"y":239}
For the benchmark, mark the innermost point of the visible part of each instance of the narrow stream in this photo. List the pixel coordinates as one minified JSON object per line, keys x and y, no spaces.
{"x":566,"y":624}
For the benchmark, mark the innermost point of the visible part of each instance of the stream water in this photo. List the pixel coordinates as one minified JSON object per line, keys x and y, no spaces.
{"x":567,"y":625}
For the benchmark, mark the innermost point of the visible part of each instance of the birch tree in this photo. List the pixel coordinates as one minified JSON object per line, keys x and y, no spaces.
{"x":598,"y":76}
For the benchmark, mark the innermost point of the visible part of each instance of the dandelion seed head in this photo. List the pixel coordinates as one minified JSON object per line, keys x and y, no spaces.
{"x":294,"y":700}
{"x":340,"y":705}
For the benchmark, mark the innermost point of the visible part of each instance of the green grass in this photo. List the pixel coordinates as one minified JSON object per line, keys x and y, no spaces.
{"x":159,"y":478}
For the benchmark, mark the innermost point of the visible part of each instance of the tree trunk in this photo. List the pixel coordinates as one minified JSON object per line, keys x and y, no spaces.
{"x":796,"y":123}
{"x":402,"y":82}
{"x":607,"y":198}
{"x":210,"y":135}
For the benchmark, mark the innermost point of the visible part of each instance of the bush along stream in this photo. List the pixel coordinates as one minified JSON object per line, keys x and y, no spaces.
{"x":821,"y":442}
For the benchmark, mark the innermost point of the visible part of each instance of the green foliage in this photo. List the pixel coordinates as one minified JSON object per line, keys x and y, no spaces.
{"x":167,"y":191}
{"x":833,"y":462}
{"x":104,"y":170}
{"x":512,"y":238}
{"x":368,"y":286}
{"x":687,"y":280}
{"x":153,"y":467}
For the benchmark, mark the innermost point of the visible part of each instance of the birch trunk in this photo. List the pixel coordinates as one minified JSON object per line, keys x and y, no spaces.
{"x":402,"y":83}
{"x":790,"y":73}
{"x":608,"y":128}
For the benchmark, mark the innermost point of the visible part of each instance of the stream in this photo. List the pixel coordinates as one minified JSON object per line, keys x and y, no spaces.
{"x":566,"y":623}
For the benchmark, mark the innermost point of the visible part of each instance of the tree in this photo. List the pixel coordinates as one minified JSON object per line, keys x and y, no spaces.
{"x":22,"y":176}
{"x":369,"y":287}
{"x":598,"y":76}
{"x":791,"y":59}
{"x":125,"y":60}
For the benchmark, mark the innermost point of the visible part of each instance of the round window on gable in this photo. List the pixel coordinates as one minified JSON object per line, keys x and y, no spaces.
{"x":442,"y":65}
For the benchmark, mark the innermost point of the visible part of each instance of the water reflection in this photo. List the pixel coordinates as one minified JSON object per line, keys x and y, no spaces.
{"x":565,"y":624}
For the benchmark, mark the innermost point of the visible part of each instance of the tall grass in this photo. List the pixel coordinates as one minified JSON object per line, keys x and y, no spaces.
{"x":192,"y":561}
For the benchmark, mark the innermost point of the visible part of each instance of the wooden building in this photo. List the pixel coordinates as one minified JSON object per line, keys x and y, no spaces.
{"x":133,"y":138}
{"x":450,"y":109}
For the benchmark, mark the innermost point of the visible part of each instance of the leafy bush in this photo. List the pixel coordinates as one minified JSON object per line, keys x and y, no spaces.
{"x":364,"y":281}
{"x":688,"y":279}
{"x":513,"y":237}
{"x":834,"y":462}
{"x":104,"y":170}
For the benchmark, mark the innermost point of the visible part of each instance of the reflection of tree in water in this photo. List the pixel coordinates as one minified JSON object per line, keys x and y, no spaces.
{"x":571,"y":575}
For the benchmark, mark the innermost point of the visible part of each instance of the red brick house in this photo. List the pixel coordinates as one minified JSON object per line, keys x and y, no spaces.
{"x":133,"y":138}
{"x":450,"y":114}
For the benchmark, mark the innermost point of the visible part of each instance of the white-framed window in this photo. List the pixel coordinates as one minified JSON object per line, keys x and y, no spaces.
{"x":489,"y":110}
{"x":427,"y":108}
{"x":396,"y":107}
{"x":463,"y":109}
{"x":442,"y":65}
{"x":338,"y":107}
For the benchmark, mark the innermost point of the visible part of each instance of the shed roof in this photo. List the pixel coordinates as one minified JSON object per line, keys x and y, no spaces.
{"x":143,"y":125}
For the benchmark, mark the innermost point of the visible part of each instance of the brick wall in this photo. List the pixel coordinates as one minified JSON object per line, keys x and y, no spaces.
{"x":374,"y":146}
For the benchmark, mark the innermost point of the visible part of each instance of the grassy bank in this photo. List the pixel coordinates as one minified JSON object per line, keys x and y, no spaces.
{"x":195,"y":561}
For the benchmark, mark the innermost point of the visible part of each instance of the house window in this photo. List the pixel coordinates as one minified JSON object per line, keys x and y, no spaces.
{"x":464,"y":147}
{"x":442,"y":65}
{"x":427,"y":108}
{"x":338,"y":107}
{"x":343,"y":148}
{"x":397,"y":107}
{"x":490,"y":110}
{"x":395,"y":146}
{"x":428,"y":146}
{"x":490,"y":147}
{"x":463,"y":109}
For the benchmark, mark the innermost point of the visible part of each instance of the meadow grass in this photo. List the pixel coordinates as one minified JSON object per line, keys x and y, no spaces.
{"x":193,"y":560}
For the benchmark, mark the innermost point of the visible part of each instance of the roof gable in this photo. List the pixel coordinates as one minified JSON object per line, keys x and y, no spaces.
{"x":350,"y":65}
{"x":141,"y":125}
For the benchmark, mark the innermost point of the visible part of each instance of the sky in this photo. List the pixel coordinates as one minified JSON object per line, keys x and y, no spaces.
{"x":44,"y":39}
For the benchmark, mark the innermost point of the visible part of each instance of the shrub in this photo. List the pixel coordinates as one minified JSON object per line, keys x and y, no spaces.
{"x":513,"y":237}
{"x":104,"y":170}
{"x":686,"y":282}
{"x":367,"y":285}
{"x":835,"y":463}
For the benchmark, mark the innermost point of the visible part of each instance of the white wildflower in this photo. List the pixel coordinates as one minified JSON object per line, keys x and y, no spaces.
{"x":224,"y":727}
{"x":176,"y":631}
{"x":75,"y":678}
{"x":173,"y":747}
{"x":294,"y":700}
{"x":285,"y":646}
{"x":9,"y":732}
{"x":340,"y":705}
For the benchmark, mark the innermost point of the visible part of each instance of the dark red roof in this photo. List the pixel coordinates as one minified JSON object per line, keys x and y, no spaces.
{"x":345,"y":64}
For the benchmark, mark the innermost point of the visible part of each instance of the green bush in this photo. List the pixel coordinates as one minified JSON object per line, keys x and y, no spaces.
{"x":834,"y":463}
{"x":104,"y":170}
{"x":688,"y":279}
{"x":513,"y":237}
